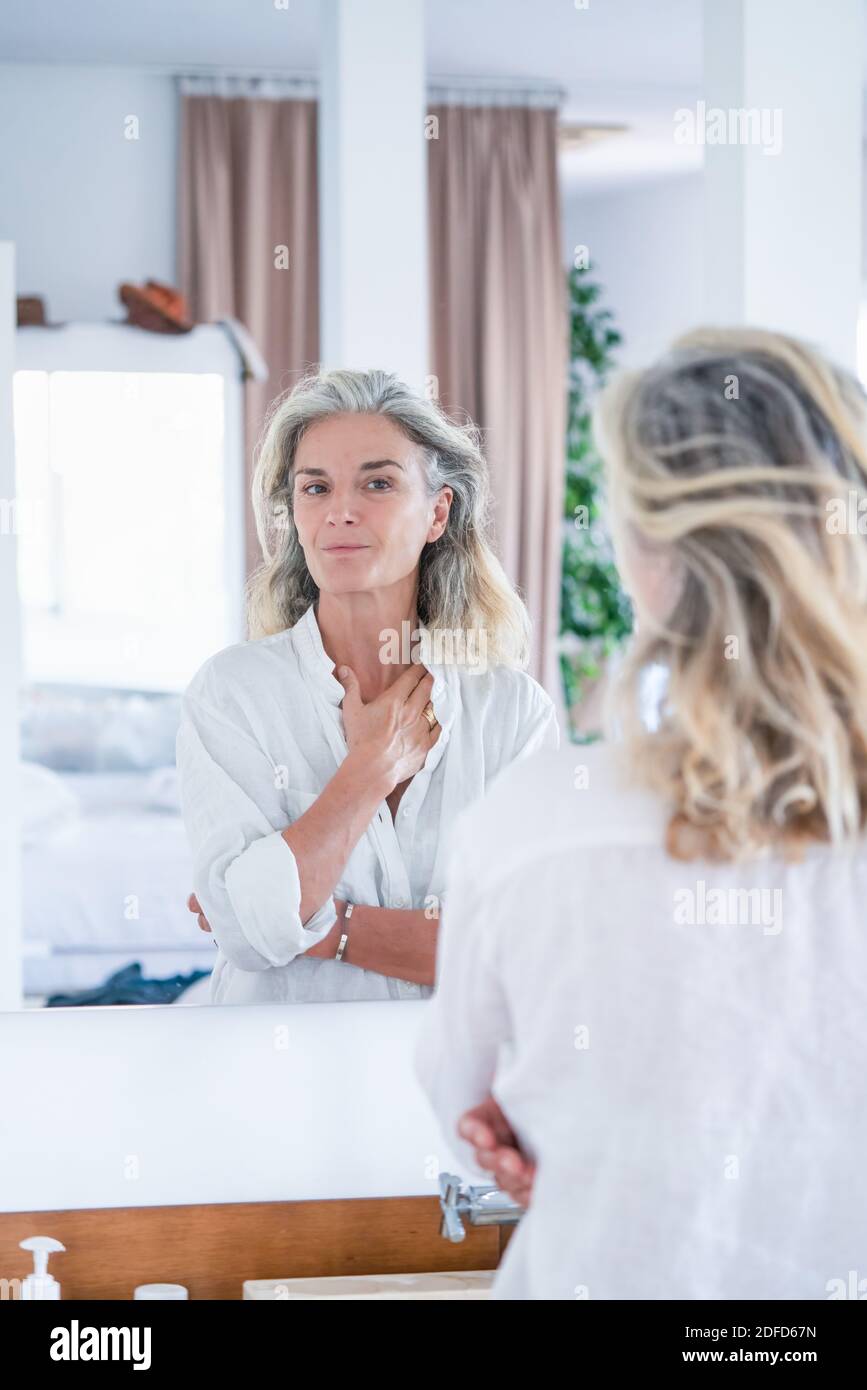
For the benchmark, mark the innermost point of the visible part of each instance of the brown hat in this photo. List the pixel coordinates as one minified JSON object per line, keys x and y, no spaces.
{"x":158,"y":308}
{"x":30,"y":311}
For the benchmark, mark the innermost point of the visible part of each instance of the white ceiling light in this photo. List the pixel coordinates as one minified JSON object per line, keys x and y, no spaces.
{"x":575,"y":136}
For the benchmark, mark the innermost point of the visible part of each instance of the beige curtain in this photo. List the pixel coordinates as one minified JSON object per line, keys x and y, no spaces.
{"x":248,"y":187}
{"x":499,"y":332}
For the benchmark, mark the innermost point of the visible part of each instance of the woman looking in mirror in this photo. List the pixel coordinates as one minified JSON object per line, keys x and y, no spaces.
{"x":682,"y":1108}
{"x":323,"y":762}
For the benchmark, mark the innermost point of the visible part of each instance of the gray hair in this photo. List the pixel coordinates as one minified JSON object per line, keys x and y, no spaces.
{"x":462,"y":585}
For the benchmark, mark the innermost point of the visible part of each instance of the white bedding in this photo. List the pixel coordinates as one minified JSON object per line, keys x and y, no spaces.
{"x":109,"y":885}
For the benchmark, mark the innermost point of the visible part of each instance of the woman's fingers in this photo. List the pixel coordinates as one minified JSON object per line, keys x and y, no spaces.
{"x":496,"y":1149}
{"x":514,"y":1175}
{"x":477,"y":1131}
{"x":349,"y":681}
{"x":195,"y":906}
{"x":409,"y":680}
{"x":419,"y":697}
{"x":489,"y":1115}
{"x":511,"y":1172}
{"x":508,"y":1162}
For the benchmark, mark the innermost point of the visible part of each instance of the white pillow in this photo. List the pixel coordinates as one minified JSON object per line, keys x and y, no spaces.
{"x":46,"y":802}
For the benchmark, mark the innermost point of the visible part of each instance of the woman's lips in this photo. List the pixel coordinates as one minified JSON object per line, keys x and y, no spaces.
{"x":344,"y":549}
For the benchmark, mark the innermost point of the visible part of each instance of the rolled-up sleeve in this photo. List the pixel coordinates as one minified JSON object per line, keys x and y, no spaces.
{"x":245,"y":875}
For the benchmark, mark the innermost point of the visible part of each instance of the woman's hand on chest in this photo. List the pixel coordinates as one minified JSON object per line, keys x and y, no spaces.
{"x":391,"y":731}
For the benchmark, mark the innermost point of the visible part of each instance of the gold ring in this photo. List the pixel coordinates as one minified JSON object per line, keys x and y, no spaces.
{"x":429,"y":715}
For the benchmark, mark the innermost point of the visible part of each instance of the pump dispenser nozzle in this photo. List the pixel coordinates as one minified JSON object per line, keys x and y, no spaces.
{"x":40,"y":1284}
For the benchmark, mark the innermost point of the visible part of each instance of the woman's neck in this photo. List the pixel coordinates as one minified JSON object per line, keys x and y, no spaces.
{"x":351,"y":627}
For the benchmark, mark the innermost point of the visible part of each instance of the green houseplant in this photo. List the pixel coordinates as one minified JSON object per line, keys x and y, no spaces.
{"x":595,"y":614}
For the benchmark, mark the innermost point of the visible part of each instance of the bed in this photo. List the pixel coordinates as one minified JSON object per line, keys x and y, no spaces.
{"x":106,"y":867}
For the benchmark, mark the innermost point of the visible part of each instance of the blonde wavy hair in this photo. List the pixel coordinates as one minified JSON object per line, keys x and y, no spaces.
{"x":727,"y":461}
{"x":462,"y":585}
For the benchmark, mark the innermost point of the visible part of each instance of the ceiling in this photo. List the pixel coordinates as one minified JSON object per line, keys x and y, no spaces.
{"x":617,"y":61}
{"x":610,"y":41}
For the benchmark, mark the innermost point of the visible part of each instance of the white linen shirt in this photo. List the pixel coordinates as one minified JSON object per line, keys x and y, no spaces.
{"x":260,"y":736}
{"x":687,"y":1070}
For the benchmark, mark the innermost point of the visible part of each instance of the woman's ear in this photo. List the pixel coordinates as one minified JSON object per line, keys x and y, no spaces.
{"x":442,"y":506}
{"x":661,"y":582}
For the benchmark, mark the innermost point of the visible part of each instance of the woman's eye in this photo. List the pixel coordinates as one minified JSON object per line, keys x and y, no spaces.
{"x":316,"y":489}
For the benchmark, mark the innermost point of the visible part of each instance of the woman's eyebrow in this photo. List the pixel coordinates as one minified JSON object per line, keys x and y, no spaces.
{"x":374,"y":463}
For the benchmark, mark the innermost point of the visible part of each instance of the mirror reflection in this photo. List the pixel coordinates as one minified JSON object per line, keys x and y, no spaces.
{"x":309,"y":543}
{"x":321,"y":763}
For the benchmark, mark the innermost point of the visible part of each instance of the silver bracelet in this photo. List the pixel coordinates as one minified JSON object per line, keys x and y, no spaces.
{"x":345,"y":937}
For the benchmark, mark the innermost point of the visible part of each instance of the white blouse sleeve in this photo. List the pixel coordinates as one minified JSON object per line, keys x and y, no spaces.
{"x":466,"y":1020}
{"x":537,"y":726}
{"x":245,"y":876}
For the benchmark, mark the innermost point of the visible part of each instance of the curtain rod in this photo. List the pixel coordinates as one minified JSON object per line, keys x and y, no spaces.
{"x":466,"y":91}
{"x":478,"y":90}
{"x":266,"y":86}
{"x":495,"y":91}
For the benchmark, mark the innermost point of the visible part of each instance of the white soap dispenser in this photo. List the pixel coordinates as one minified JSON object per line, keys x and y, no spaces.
{"x":40,"y":1284}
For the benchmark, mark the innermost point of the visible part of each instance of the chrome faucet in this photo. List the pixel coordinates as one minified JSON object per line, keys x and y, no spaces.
{"x":483,"y":1206}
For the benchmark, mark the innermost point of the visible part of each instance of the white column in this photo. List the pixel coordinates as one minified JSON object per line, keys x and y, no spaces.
{"x":783,"y":227}
{"x":373,"y":187}
{"x":10,"y":657}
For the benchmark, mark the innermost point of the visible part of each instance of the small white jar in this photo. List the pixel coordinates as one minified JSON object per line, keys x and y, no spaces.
{"x":164,"y":1291}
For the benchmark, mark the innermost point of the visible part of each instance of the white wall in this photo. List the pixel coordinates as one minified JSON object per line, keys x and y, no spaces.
{"x":373,"y":158}
{"x":10,"y":658}
{"x":647,"y":249}
{"x":86,"y":207}
{"x":783,"y":234}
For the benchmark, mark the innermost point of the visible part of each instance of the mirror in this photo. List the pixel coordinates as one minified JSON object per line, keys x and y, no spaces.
{"x":308,"y":815}
{"x":207,"y":813}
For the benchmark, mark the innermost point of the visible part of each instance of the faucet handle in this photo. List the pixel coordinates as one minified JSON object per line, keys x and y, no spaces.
{"x":452,"y":1227}
{"x":484,"y":1206}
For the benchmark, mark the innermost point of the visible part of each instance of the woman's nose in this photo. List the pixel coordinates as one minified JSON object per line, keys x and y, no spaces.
{"x":342,"y":508}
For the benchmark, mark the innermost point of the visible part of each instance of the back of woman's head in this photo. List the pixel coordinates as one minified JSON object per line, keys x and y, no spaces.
{"x":738,"y":463}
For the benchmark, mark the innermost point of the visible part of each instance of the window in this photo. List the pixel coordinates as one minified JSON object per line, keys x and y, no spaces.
{"x":125,"y":567}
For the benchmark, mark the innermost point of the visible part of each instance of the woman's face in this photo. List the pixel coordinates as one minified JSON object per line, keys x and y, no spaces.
{"x":360,"y":504}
